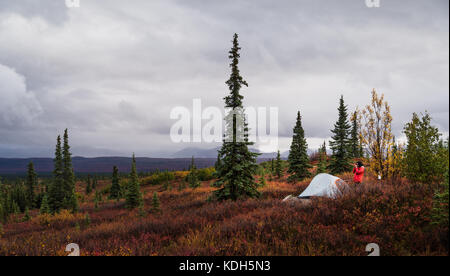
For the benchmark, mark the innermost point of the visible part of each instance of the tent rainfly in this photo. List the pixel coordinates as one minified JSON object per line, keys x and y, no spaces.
{"x":324,"y":185}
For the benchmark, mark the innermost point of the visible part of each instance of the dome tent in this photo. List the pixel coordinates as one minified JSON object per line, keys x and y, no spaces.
{"x":324,"y":185}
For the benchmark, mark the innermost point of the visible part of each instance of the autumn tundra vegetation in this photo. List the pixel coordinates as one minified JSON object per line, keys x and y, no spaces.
{"x":235,"y":207}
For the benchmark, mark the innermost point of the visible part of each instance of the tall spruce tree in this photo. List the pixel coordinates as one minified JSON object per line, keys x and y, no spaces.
{"x":31,"y":184}
{"x":298,"y":155}
{"x":278,"y":168}
{"x":235,"y":175}
{"x":133,"y":196}
{"x":70,"y":198}
{"x":115,"y":186}
{"x":56,"y":192}
{"x":340,"y":143}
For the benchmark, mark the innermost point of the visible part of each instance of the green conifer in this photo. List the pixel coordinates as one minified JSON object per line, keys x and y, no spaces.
{"x":88,"y":185}
{"x":278,"y":166}
{"x":94,"y":182}
{"x":340,"y":145}
{"x":298,"y":155}
{"x":26,"y":216}
{"x":45,"y":208}
{"x":235,"y":175}
{"x":31,"y":184}
{"x":56,"y":192}
{"x":87,"y":220}
{"x":115,"y":186}
{"x":156,"y":208}
{"x":262,"y":180}
{"x":141,"y":210}
{"x":355,"y":145}
{"x":133,"y":196}
{"x":193,"y":176}
{"x":218,"y":163}
{"x":322,"y":165}
{"x":70,"y":199}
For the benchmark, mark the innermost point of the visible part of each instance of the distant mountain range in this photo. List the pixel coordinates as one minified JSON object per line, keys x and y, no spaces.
{"x":177,"y":161}
{"x":102,"y":164}
{"x":105,"y":164}
{"x":212,"y":153}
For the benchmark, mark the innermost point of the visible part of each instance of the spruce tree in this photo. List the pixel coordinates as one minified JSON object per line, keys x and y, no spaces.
{"x":3,"y":215}
{"x":133,"y":196}
{"x":272,"y":166}
{"x":340,"y":143}
{"x":87,"y":220}
{"x":115,"y":186}
{"x":31,"y":184}
{"x":236,"y":174}
{"x":97,"y":200}
{"x":354,"y":142}
{"x":56,"y":192}
{"x":155,"y":203}
{"x":5,"y":203}
{"x":193,"y":176}
{"x":262,"y":180}
{"x":166,"y":185}
{"x":70,"y":199}
{"x":218,"y":163}
{"x":439,"y":213}
{"x":26,"y":216}
{"x":88,"y":185}
{"x":278,"y":167}
{"x":94,"y":182}
{"x":15,"y":207}
{"x":45,"y":208}
{"x":322,"y":165}
{"x":141,"y":209}
{"x":298,"y":155}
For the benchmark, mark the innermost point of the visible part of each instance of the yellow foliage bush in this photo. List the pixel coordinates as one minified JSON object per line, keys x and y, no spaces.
{"x":63,"y":218}
{"x":181,"y":174}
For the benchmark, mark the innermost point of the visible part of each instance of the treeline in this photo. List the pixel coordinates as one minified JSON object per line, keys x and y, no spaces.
{"x":49,"y":196}
{"x":366,"y":135}
{"x":52,"y":195}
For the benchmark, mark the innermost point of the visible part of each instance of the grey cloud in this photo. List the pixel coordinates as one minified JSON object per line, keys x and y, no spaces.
{"x":51,"y":10}
{"x":18,"y":107}
{"x":111,"y":71}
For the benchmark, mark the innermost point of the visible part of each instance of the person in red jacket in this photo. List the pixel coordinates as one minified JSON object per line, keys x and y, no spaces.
{"x":358,"y":171}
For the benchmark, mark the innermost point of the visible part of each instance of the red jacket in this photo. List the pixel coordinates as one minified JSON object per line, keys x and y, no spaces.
{"x":358,"y":174}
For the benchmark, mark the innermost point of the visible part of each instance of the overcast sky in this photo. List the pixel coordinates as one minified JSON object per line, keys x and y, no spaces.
{"x":112,"y":70}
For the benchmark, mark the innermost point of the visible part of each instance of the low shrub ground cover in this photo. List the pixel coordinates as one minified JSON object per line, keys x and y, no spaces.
{"x":396,"y":216}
